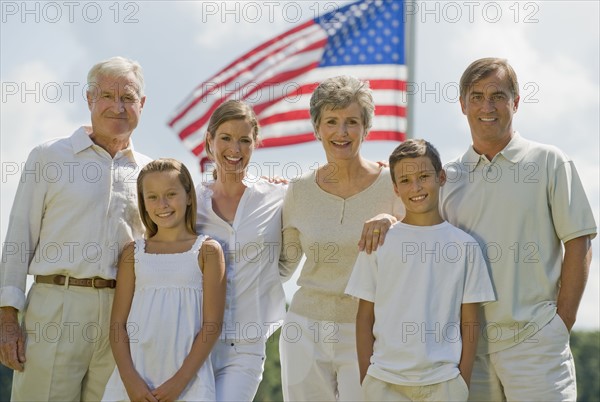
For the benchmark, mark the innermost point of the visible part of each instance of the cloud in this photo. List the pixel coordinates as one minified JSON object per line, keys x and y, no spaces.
{"x":35,"y":108}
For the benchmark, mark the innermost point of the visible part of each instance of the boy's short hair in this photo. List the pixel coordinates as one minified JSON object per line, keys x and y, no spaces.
{"x":414,"y":148}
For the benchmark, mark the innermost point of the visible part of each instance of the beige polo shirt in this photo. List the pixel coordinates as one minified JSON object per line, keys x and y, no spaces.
{"x":519,"y":207}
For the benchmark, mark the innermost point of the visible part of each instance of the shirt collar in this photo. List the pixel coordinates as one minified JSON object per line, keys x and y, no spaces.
{"x":514,"y":151}
{"x":80,"y":141}
{"x":250,"y":180}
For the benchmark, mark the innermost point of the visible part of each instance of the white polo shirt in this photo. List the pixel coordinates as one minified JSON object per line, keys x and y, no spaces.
{"x":519,"y":207}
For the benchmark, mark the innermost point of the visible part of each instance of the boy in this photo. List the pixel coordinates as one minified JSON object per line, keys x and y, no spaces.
{"x":416,"y":327}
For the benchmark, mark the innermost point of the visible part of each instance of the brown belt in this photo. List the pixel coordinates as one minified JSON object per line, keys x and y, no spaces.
{"x":96,"y":283}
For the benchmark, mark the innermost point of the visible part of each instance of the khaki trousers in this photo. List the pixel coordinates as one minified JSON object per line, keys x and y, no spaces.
{"x":68,"y":354}
{"x":541,"y":368}
{"x":376,"y":390}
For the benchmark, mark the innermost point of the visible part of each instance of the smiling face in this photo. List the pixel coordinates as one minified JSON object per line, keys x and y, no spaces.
{"x":489,"y":106}
{"x":342,"y":132}
{"x":418,"y":185}
{"x":115,"y":106}
{"x":232,"y":146}
{"x":165,"y":199}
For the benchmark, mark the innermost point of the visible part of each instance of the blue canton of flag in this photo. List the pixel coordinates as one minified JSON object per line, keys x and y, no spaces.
{"x":369,"y":34}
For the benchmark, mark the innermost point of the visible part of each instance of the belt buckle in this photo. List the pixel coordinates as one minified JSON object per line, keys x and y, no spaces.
{"x":94,"y":282}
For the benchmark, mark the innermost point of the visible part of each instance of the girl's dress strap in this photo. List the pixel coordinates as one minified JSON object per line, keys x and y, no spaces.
{"x":140,"y":245}
{"x":198,"y":243}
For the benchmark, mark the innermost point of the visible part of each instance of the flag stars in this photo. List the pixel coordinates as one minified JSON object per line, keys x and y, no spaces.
{"x":363,"y":33}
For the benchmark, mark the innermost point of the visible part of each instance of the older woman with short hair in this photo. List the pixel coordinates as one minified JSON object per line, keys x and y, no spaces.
{"x":323,"y":217}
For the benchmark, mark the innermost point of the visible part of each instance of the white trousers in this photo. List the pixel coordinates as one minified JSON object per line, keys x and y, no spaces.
{"x":238,"y":369}
{"x":540,"y":368}
{"x":318,"y":360}
{"x":68,"y":355}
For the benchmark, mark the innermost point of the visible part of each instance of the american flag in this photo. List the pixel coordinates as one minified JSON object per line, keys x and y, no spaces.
{"x":364,"y":39}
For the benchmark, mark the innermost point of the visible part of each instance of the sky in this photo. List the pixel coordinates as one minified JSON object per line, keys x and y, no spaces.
{"x":47,"y":48}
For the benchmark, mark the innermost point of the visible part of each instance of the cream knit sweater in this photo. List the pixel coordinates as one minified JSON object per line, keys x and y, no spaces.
{"x":327,"y":228}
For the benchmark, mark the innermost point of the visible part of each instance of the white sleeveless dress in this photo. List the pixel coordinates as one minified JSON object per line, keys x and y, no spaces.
{"x":165,"y":317}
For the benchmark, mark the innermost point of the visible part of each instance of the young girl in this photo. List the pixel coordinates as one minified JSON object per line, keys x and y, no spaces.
{"x":170,"y":296}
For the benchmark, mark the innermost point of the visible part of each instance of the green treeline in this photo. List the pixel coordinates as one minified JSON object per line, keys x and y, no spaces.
{"x":585,"y":346}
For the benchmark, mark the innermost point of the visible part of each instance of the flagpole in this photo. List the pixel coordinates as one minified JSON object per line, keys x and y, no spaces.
{"x":409,"y":46}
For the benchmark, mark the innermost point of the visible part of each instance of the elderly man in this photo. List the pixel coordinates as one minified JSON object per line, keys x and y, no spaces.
{"x":75,"y":209}
{"x":523,"y":202}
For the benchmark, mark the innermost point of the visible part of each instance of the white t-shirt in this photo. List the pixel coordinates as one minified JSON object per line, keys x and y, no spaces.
{"x":418,"y":281}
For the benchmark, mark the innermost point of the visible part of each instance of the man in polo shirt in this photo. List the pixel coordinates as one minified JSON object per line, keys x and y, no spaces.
{"x":523,"y":201}
{"x":75,"y":209}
